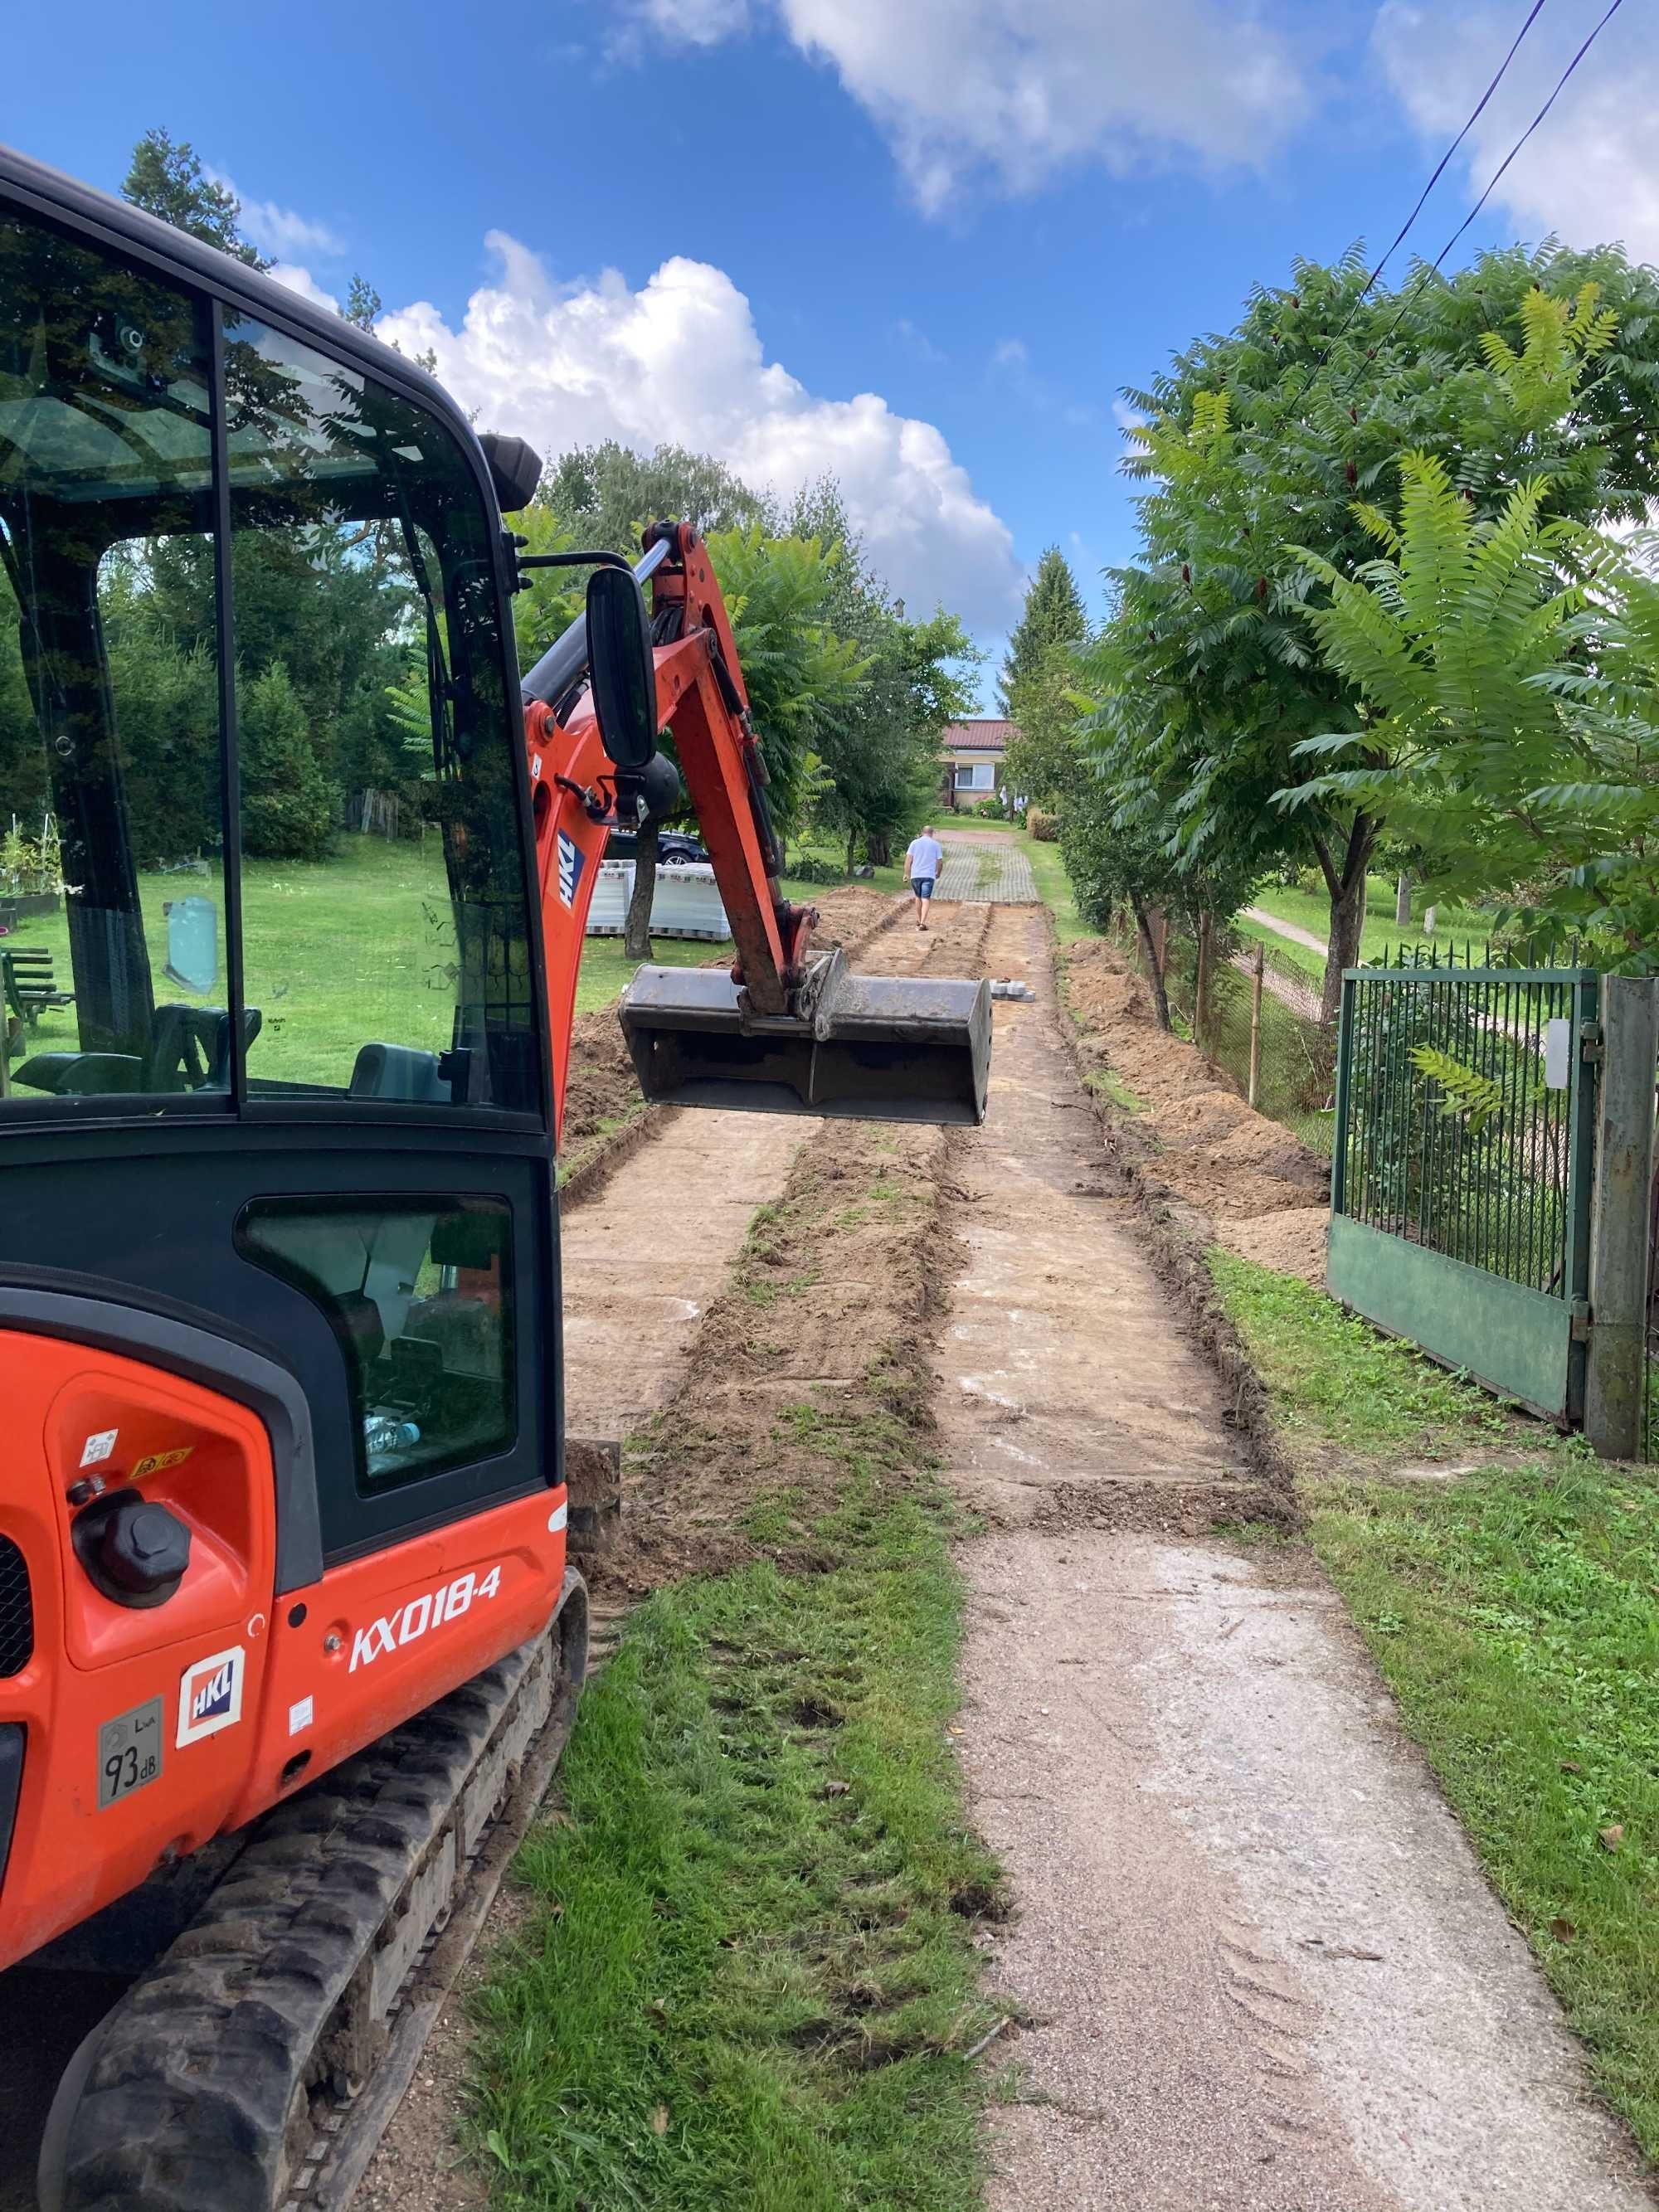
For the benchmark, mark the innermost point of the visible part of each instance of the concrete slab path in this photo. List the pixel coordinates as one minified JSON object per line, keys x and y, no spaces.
{"x":983,"y":866}
{"x":1260,"y":1967}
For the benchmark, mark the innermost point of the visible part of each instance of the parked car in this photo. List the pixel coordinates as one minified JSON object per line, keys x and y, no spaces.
{"x":676,"y":848}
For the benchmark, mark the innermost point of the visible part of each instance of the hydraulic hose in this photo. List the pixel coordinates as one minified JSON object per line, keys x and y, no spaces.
{"x":563,"y":662}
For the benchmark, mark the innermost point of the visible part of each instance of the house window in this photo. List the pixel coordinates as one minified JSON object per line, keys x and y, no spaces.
{"x":977,"y":776}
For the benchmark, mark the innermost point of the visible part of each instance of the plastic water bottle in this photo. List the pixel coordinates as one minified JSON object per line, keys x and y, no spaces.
{"x":382,"y":1435}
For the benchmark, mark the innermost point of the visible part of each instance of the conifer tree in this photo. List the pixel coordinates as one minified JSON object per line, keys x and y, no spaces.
{"x":1052,"y":615}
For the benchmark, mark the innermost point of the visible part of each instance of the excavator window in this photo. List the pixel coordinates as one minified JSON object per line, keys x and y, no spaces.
{"x":367,"y":908}
{"x":418,"y":1296}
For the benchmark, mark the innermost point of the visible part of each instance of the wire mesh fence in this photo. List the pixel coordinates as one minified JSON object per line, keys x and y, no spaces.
{"x":1294,"y":1054}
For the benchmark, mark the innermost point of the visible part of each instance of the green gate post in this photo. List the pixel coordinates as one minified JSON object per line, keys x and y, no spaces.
{"x":1619,"y":1223}
{"x":1340,"y":1102}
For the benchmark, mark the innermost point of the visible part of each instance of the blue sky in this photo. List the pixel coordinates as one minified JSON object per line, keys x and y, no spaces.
{"x":919,"y":243}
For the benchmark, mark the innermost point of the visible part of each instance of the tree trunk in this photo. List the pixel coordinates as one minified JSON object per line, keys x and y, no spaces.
{"x":878,"y":849}
{"x":1346,"y":887}
{"x":1154,"y":966}
{"x":1201,"y":986}
{"x":637,"y":936}
{"x":852,"y":849}
{"x":1428,"y":920}
{"x":1402,"y":902}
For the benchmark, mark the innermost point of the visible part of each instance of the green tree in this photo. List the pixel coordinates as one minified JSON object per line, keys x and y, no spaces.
{"x":1262,"y":441}
{"x":1046,"y":758}
{"x":605,"y":494}
{"x":362,"y":304}
{"x":1052,"y":615}
{"x":1509,"y":668}
{"x":288,"y":803}
{"x":881,"y":746}
{"x":166,"y":179}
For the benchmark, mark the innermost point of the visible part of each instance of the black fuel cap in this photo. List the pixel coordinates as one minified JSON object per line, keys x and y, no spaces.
{"x":135,"y":1550}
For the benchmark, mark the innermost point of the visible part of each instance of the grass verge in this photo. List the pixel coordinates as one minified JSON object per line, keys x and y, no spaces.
{"x":1054,"y":887}
{"x":748,"y":1977}
{"x":1515,"y":1615}
{"x":1334,"y":1383}
{"x":752,"y":1982}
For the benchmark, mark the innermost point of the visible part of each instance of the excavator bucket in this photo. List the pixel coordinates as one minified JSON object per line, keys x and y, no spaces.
{"x":867,"y":1048}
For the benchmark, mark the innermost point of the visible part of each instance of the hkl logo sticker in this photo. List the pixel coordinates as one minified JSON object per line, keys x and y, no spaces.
{"x":210,"y":1696}
{"x":572,"y":860}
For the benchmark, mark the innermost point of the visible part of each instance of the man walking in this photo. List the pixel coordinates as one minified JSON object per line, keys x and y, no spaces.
{"x":922,"y":863}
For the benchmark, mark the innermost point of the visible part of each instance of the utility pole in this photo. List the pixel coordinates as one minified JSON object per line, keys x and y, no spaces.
{"x":1621,"y":1217}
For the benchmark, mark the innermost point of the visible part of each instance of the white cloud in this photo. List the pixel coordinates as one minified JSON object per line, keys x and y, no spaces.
{"x":1591,"y":174}
{"x":279,"y":232}
{"x":679,"y":361}
{"x":917,"y":344}
{"x":694,"y":22}
{"x":1128,"y":419}
{"x":1010,"y":353}
{"x":969,"y":89}
{"x":301,"y":280}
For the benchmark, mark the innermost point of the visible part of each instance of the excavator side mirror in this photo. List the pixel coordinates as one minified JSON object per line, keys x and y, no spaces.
{"x":621,"y":668}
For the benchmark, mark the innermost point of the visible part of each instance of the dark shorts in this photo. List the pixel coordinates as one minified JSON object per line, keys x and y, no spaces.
{"x":922,"y":886}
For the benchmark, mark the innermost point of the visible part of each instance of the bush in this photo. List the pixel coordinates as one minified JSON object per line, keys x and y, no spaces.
{"x":815,"y":868}
{"x":991,"y":806}
{"x":1045,"y":828}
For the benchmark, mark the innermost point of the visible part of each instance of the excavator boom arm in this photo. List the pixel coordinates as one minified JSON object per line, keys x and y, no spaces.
{"x":782,"y":1031}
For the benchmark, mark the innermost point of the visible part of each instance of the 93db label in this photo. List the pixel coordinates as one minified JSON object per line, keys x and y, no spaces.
{"x":128,"y":1752}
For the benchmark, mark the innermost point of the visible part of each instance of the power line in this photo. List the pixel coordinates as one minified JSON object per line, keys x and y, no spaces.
{"x":1440,"y":166}
{"x":1497,"y":175}
{"x":1473,"y":118}
{"x":1595,"y":34}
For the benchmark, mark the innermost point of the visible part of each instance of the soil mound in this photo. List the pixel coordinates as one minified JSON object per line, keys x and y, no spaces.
{"x":1264,"y":1193}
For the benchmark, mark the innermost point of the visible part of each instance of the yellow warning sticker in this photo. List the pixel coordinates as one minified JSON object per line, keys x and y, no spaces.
{"x":154,"y":1461}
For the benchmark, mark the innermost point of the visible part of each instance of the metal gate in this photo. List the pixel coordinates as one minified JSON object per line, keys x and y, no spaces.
{"x":1462,"y":1169}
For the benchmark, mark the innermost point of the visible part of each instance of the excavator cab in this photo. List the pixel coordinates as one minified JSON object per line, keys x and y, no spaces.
{"x":292,"y":879}
{"x":279,"y":1335}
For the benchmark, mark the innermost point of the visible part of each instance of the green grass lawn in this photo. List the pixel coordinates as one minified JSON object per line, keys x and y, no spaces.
{"x":1515,"y":1615}
{"x":1458,"y":926}
{"x":746,"y":1985}
{"x":336,"y":952}
{"x":1054,"y":887}
{"x":833,"y":855}
{"x":1335,"y":1382}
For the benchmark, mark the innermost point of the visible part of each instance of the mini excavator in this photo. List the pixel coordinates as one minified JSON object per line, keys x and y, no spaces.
{"x":285,"y":1606}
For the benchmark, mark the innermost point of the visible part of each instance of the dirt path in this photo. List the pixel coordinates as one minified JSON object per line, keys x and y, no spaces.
{"x":1067,"y":1394}
{"x":1260,"y":1966}
{"x":1292,"y":930}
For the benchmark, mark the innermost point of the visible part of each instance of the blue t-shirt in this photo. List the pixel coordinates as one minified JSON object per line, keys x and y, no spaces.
{"x":925,"y":857}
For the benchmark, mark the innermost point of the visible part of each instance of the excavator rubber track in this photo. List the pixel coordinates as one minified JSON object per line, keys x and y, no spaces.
{"x":253,"y":2068}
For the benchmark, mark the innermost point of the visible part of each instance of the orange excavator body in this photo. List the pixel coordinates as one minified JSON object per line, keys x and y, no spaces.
{"x":279,"y":1335}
